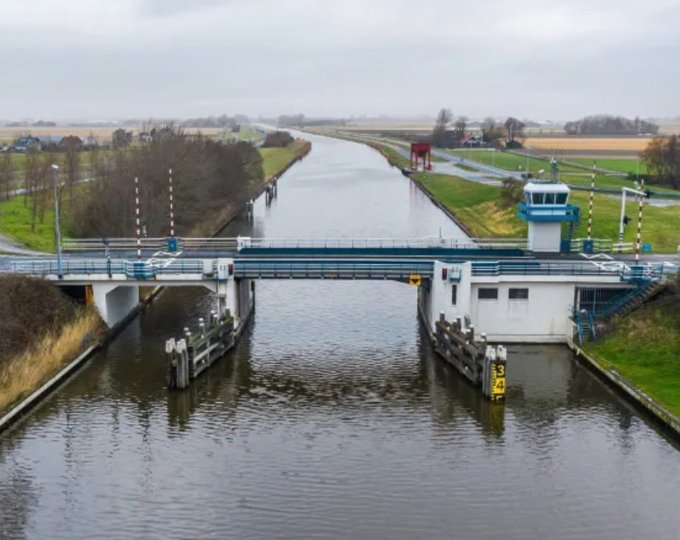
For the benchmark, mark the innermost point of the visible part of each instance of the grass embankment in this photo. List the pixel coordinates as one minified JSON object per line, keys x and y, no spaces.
{"x":478,"y":207}
{"x":275,"y":160}
{"x":40,"y":331}
{"x":644,"y":348}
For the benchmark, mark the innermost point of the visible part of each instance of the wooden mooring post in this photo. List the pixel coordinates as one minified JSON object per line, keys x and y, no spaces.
{"x":481,"y":363}
{"x":189,"y":356}
{"x":270,"y":191}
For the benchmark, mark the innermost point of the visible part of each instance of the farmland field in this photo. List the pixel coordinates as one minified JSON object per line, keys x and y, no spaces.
{"x":617,"y":145}
{"x":102,"y":133}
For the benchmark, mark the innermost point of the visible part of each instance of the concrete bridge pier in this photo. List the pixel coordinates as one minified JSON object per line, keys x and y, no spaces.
{"x":115,"y":302}
{"x":448,"y":292}
{"x":238,"y":296}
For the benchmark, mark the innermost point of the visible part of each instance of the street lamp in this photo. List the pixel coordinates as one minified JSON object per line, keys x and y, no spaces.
{"x":57,"y":228}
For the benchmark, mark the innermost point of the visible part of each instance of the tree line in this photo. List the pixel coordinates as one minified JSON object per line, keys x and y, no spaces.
{"x":604,"y":124}
{"x":494,"y":134}
{"x":662,"y":157}
{"x":277,"y":139}
{"x":210,"y":177}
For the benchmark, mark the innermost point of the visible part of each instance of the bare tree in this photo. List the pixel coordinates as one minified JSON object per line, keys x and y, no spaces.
{"x":121,"y":139}
{"x":30,"y":168}
{"x":209,"y":176}
{"x":514,"y":133}
{"x":439,"y":132}
{"x":492,"y":132}
{"x":43,"y":195}
{"x":71,"y":162}
{"x":662,"y":157}
{"x":6,"y":173}
{"x":460,"y":127}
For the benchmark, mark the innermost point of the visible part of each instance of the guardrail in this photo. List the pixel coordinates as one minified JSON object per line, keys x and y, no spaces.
{"x":601,"y":245}
{"x":231,"y":245}
{"x":132,"y":269}
{"x":76,"y":245}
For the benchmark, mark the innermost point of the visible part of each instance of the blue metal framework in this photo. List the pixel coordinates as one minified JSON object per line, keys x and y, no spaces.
{"x":549,"y":212}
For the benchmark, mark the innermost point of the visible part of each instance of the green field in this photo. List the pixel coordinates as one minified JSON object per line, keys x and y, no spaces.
{"x":624,"y":165}
{"x":644,"y":349}
{"x":275,"y":159}
{"x":511,"y":161}
{"x":477,"y":207}
{"x":247,"y":133}
{"x":15,"y":222}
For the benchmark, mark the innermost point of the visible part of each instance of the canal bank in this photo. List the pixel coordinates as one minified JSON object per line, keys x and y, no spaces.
{"x":54,"y":366}
{"x":474,"y":208}
{"x":333,"y":402}
{"x":646,"y":403}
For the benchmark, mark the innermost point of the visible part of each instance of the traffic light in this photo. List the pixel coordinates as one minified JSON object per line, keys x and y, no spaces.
{"x":648,"y":193}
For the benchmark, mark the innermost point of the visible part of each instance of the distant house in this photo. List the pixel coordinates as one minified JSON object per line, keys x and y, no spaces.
{"x":91,"y":142}
{"x":473,"y":141}
{"x":71,"y":141}
{"x":144,"y":137}
{"x":24,"y":144}
{"x":49,"y":143}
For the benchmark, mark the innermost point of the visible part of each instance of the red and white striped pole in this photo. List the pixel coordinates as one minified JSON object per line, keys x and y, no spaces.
{"x":137,"y":220}
{"x":639,"y":225}
{"x":172,"y":208}
{"x":590,"y":207}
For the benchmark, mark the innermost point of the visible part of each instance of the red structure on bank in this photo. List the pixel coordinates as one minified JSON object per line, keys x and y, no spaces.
{"x":421,"y":150}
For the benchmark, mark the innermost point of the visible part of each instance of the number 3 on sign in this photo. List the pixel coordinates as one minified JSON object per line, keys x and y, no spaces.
{"x":498,"y":382}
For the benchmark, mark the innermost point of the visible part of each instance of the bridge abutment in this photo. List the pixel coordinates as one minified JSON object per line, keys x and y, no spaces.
{"x":114,"y":302}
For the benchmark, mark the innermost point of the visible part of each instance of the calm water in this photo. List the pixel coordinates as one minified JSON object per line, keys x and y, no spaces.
{"x":332,"y":418}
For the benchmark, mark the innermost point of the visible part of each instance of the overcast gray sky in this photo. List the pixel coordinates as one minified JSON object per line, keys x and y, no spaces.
{"x":140,"y":58}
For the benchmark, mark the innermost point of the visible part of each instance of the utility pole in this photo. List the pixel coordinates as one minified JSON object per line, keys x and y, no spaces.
{"x":57,"y":227}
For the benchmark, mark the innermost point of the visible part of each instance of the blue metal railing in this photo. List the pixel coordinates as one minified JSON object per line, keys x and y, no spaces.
{"x":332,"y":269}
{"x":528,"y":268}
{"x":131,"y":269}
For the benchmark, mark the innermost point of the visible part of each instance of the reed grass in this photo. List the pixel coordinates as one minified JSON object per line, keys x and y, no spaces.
{"x":22,"y":374}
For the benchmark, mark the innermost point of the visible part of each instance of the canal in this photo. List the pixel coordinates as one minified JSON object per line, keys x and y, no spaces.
{"x":332,"y":418}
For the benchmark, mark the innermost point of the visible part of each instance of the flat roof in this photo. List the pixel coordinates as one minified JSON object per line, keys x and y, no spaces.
{"x":546,"y":187}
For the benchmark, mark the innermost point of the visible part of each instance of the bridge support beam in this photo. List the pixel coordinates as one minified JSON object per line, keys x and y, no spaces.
{"x":115,"y":302}
{"x":238,"y":296}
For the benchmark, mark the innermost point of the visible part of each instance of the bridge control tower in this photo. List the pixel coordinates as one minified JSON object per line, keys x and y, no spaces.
{"x":545,"y":208}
